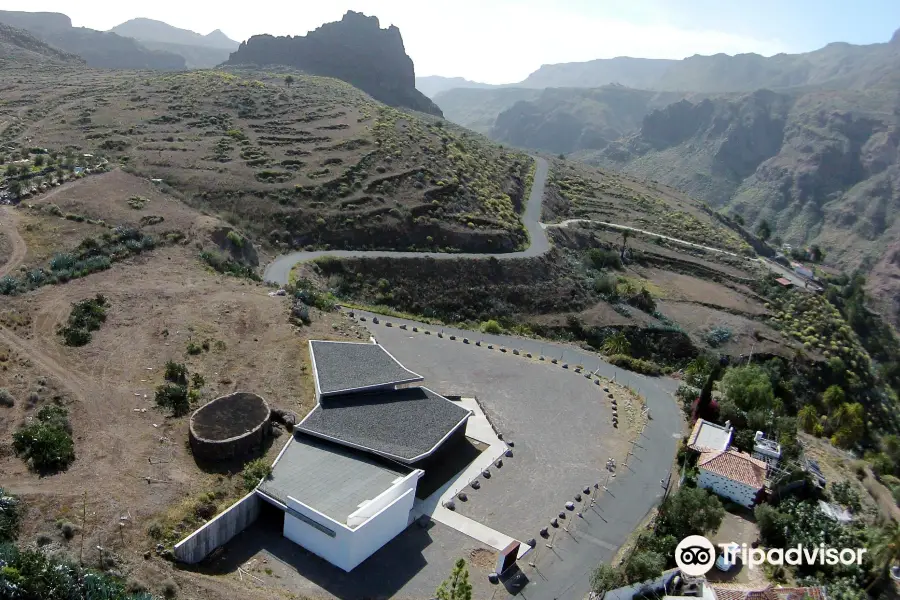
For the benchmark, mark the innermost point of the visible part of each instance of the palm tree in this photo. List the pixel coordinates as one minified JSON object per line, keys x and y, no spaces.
{"x":617,"y":344}
{"x":885,"y":551}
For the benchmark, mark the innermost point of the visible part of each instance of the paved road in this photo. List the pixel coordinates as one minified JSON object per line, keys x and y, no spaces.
{"x":278,"y":270}
{"x":562,"y":572}
{"x":567,"y":222}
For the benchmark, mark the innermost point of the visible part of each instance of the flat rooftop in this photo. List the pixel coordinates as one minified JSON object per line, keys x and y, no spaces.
{"x":334,"y":480}
{"x":406,"y":424}
{"x":707,"y":436}
{"x":342,"y":367}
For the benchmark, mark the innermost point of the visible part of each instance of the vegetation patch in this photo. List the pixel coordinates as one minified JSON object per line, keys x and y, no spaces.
{"x":45,"y":441}
{"x":228,"y":266}
{"x":176,"y":394}
{"x":86,"y":316}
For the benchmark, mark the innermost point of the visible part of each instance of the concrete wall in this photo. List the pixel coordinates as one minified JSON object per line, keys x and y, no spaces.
{"x":336,"y":549}
{"x":219,"y":531}
{"x":382,"y":528}
{"x":735,"y":491}
{"x":383,"y":500}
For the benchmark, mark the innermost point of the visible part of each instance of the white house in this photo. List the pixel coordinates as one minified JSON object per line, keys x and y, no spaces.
{"x":768,"y":451}
{"x":733,"y":475}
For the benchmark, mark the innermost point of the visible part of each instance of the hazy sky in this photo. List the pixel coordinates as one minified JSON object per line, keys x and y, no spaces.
{"x":502,"y":41}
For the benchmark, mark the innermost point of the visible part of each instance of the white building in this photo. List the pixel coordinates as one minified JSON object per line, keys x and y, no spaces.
{"x":734,"y":475}
{"x":768,"y":451}
{"x":707,"y":436}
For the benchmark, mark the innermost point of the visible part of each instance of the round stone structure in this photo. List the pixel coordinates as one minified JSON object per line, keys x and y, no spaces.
{"x":230,"y":426}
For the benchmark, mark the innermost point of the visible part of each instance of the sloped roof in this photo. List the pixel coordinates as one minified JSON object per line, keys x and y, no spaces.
{"x":726,"y":591}
{"x":405,"y":425}
{"x":342,"y":367}
{"x":707,"y":437}
{"x":736,"y":466}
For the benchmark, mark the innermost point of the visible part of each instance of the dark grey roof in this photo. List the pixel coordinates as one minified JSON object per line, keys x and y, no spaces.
{"x":349,"y":366}
{"x":405,"y":424}
{"x":328,"y":477}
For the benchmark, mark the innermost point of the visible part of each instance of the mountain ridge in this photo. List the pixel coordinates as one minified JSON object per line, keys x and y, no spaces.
{"x":152,"y":30}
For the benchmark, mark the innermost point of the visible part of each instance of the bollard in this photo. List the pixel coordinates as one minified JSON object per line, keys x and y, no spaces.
{"x":478,"y":343}
{"x":516,"y":352}
{"x":465,"y":340}
{"x":403,"y":326}
{"x":388,"y":324}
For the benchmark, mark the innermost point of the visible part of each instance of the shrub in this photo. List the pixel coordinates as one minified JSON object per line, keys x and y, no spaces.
{"x":254,"y":471}
{"x":6,"y":399}
{"x":193,"y":349}
{"x":176,"y":372}
{"x":717,"y":336}
{"x":173,"y":397}
{"x":46,"y":441}
{"x":605,"y":285}
{"x":845,"y":493}
{"x":86,"y":316}
{"x":491,"y":326}
{"x":235,"y":238}
{"x":601,"y":258}
{"x":228,"y":266}
{"x":643,"y":300}
{"x":10,"y":516}
{"x":637,"y":365}
{"x":169,"y":588}
{"x":68,"y":530}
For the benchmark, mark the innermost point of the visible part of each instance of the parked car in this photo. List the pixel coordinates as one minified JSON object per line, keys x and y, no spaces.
{"x":722,"y":562}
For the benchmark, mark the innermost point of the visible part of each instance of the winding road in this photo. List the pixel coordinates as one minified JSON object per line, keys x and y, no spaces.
{"x":279,"y":269}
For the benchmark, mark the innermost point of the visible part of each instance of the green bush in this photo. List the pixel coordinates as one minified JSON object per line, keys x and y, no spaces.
{"x":601,"y":258}
{"x":6,"y":398}
{"x":637,"y":365}
{"x":254,"y":471}
{"x":46,"y":441}
{"x":174,"y":397}
{"x":605,"y":285}
{"x":193,"y":348}
{"x":10,"y":516}
{"x":228,"y":266}
{"x":86,"y":316}
{"x":176,"y":373}
{"x":491,"y":326}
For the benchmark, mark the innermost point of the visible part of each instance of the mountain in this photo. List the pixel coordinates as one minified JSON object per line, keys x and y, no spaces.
{"x":97,"y":48}
{"x":570,"y":120}
{"x":149,"y":30}
{"x":199,"y":51}
{"x":642,"y":73}
{"x":476,"y":108}
{"x":354,"y":49}
{"x":22,"y":47}
{"x":435,"y":84}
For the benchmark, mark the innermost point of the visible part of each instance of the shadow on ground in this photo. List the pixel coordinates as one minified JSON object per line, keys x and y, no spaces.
{"x":382,"y":575}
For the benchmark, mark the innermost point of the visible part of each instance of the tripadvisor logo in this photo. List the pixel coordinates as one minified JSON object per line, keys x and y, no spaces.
{"x":695,"y":555}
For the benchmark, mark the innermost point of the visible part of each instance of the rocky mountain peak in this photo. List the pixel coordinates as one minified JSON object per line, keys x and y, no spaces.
{"x":355,"y":49}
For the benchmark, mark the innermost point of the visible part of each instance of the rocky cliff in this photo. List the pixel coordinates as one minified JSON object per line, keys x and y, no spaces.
{"x":355,"y":49}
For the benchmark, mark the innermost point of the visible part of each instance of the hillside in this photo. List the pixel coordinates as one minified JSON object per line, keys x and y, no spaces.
{"x":19,"y":46}
{"x":312,"y":163}
{"x":570,"y":120}
{"x":821,"y":167}
{"x":433,"y":85}
{"x":354,"y":49}
{"x":97,"y":48}
{"x":477,"y":109}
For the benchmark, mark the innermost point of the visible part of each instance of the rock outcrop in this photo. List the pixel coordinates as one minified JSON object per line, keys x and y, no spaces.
{"x":355,"y":49}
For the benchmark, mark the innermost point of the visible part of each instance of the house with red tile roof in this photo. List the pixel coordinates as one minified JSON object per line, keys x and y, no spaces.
{"x":734,"y":475}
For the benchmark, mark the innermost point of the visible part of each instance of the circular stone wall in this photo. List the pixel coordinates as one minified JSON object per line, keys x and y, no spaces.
{"x":230,"y":426}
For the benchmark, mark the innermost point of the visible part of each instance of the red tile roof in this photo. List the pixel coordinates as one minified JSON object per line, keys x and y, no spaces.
{"x":784,"y":281}
{"x":726,"y":591}
{"x":736,"y":466}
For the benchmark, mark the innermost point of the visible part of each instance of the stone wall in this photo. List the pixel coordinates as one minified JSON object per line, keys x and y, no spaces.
{"x":219,"y":531}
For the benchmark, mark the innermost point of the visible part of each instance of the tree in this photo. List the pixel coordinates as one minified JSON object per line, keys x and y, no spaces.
{"x":605,"y":578}
{"x":771,"y":525}
{"x":689,"y":511}
{"x":644,"y":565}
{"x":885,"y":550}
{"x":625,"y":234}
{"x":749,"y":387}
{"x":289,"y":80}
{"x":833,"y":397}
{"x":808,"y":418}
{"x":738,"y":219}
{"x":15,"y":187}
{"x":457,"y":586}
{"x":849,"y":424}
{"x":815,"y":253}
{"x":764,"y":231}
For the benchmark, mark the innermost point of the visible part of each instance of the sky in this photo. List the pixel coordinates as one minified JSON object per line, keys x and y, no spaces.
{"x":502,"y":41}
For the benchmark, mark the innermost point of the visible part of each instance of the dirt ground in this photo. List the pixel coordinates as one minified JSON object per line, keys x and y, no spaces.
{"x":740,"y":529}
{"x":159,"y":302}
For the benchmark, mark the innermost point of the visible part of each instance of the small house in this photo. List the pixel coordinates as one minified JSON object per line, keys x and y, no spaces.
{"x":734,"y":475}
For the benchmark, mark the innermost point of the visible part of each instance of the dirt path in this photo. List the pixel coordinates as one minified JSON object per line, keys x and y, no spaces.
{"x":8,"y":222}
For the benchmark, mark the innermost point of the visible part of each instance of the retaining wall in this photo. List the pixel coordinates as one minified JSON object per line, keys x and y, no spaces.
{"x":219,"y":531}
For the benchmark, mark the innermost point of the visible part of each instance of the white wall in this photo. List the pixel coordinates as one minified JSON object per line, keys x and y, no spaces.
{"x":349,"y":547}
{"x":382,"y":528}
{"x":384,"y":499}
{"x":735,"y":491}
